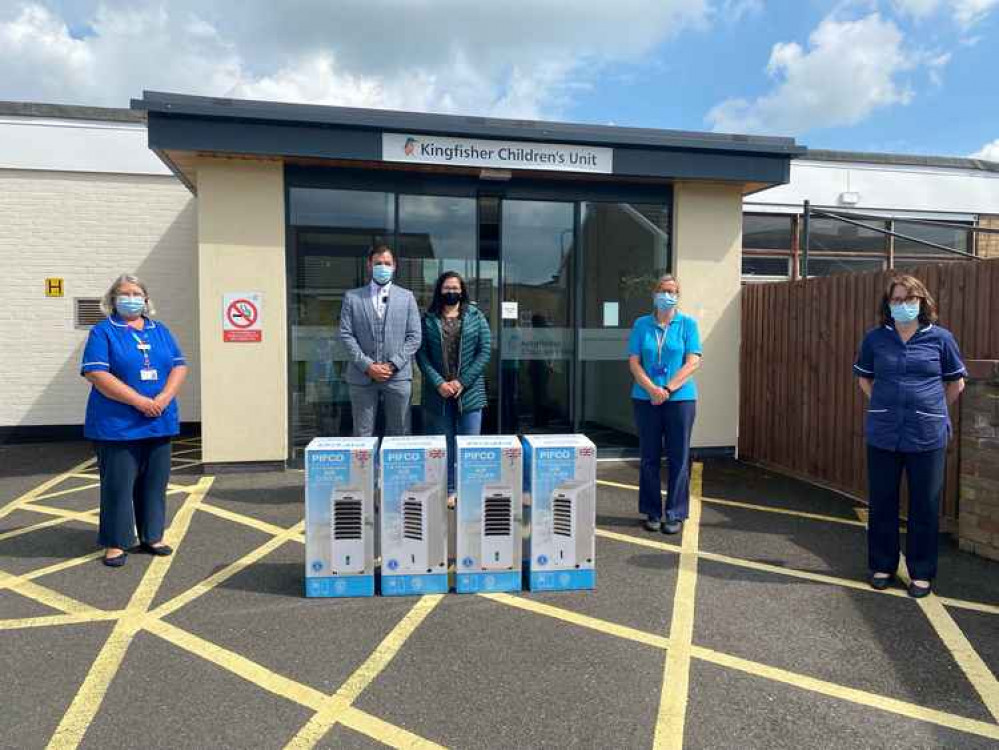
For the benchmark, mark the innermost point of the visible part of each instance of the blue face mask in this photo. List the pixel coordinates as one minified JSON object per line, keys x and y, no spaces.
{"x":130,"y":305}
{"x":906,"y":312}
{"x":664,"y":301}
{"x":382,"y":274}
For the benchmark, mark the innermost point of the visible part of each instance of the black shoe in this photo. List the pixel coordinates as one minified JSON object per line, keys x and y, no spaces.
{"x":880,"y":583}
{"x":651,"y":524}
{"x":161,"y":551}
{"x":115,"y":562}
{"x":672,"y":527}
{"x":918,"y":592}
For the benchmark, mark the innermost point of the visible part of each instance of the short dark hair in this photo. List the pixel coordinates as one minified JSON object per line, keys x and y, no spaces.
{"x":437,"y":302}
{"x":914,"y":287}
{"x":380,"y":250}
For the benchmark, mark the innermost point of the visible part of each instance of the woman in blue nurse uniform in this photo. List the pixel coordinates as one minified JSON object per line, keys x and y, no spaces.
{"x":664,"y":352}
{"x":136,"y":369}
{"x":911,"y":371}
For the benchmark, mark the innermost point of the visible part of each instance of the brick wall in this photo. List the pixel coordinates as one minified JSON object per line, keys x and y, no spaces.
{"x":988,"y":244}
{"x":86,"y":228}
{"x":978,"y":520}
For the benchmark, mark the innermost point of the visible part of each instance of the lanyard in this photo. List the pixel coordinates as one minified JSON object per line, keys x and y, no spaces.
{"x":660,"y":340}
{"x":143,"y":346}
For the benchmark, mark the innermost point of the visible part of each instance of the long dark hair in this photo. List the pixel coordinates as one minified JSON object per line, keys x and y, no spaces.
{"x":437,"y":302}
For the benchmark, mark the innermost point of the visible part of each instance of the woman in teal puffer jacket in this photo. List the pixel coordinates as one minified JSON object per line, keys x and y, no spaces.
{"x":455,"y":351}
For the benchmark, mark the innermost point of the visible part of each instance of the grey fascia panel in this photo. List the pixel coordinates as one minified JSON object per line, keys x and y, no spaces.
{"x":262,"y":139}
{"x":456,"y":125}
{"x":634,"y":162}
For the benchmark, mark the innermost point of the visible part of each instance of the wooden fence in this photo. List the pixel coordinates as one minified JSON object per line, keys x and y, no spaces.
{"x":800,"y":408}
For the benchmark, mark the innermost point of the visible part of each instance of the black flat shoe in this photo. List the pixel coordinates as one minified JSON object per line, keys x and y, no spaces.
{"x":918,"y":592}
{"x":162,"y":551}
{"x":115,"y":562}
{"x":880,"y":583}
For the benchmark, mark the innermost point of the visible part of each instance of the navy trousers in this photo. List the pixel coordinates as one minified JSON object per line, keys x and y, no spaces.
{"x":925,"y":472}
{"x":670,"y":423}
{"x":134,"y":477}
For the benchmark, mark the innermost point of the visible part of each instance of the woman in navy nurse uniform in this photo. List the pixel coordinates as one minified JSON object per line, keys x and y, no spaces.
{"x":910,"y":369}
{"x":664,"y":352}
{"x":136,"y":369}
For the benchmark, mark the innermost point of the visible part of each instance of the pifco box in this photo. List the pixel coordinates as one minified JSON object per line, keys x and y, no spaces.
{"x":560,"y":492}
{"x":340,"y":516}
{"x":490,"y":471}
{"x":414,"y":515}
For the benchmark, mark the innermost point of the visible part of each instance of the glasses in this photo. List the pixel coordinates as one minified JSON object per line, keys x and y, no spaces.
{"x":907,"y":300}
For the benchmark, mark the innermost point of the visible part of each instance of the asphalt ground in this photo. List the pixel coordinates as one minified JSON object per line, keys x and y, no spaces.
{"x":754,"y":629}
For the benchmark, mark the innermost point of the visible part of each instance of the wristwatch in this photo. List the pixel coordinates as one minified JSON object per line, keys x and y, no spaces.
{"x":668,"y":390}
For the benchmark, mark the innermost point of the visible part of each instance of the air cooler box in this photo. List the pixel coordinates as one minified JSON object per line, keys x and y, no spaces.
{"x":339,"y":517}
{"x":560,"y":496}
{"x":489,"y":514}
{"x":414,"y":515}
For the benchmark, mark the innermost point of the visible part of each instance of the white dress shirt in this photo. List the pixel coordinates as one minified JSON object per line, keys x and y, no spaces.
{"x":379,"y":297}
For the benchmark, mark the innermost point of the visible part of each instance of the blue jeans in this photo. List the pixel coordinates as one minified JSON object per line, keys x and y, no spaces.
{"x":671,"y":422}
{"x":452,"y":423}
{"x":134,"y":477}
{"x":925,"y":472}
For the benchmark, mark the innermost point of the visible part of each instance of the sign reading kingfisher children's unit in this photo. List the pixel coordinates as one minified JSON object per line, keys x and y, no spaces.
{"x":242,"y":317}
{"x":470,"y":152}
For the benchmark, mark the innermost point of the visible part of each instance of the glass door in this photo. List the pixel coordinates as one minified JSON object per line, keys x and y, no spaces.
{"x":537,"y":346}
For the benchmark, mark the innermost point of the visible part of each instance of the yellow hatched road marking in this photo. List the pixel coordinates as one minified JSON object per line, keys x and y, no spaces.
{"x":44,"y":487}
{"x":44,"y":621}
{"x":203,"y":587}
{"x":676,"y":674}
{"x":70,"y":491}
{"x":974,"y":668}
{"x":336,"y":706}
{"x":9,"y":581}
{"x":383,"y":731}
{"x":861,"y":697}
{"x":26,"y":587}
{"x":34,"y":527}
{"x":250,"y":521}
{"x":86,"y":516}
{"x":585,"y":621}
{"x":752,"y":506}
{"x":90,"y":696}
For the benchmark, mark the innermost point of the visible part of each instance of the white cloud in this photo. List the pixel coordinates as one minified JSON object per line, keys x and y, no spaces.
{"x":966,"y":13}
{"x":850,"y":69}
{"x":989,"y":152}
{"x":523,"y":58}
{"x":734,"y":11}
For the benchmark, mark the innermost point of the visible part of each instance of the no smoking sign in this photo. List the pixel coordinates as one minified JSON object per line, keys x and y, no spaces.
{"x":241,"y":317}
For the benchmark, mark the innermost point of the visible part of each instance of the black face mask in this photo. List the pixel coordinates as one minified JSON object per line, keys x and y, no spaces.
{"x":451,"y":298}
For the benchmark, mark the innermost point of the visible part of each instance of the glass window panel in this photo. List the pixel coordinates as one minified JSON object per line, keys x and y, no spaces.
{"x":626,"y":246}
{"x":356,"y":209}
{"x":827,"y":266}
{"x":775,"y":266}
{"x":766,"y":232}
{"x":957,"y":239}
{"x":830,"y":234}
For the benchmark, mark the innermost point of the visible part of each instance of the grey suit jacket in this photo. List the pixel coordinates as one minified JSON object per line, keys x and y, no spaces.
{"x":357,"y":331}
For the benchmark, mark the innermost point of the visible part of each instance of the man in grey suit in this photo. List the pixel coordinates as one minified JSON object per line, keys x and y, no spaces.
{"x":380,"y":327}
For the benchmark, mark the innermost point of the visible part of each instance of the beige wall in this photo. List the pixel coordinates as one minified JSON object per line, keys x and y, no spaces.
{"x":244,"y":386}
{"x":708,"y":246}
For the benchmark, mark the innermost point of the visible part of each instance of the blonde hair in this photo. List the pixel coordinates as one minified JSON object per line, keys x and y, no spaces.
{"x":107,"y":301}
{"x":663,"y":279}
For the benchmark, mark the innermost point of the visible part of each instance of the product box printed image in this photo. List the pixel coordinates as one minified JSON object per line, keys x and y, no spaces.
{"x":560,"y":487}
{"x":414,"y":515}
{"x":340,"y":516}
{"x":489,"y":514}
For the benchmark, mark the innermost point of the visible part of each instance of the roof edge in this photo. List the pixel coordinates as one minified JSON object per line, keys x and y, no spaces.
{"x":70,"y":112}
{"x":914,"y":160}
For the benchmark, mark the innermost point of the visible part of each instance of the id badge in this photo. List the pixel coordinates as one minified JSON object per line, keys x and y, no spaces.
{"x":143,"y":347}
{"x":658,"y":371}
{"x":149,"y":374}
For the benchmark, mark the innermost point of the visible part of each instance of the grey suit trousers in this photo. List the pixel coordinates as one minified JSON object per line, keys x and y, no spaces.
{"x":395,"y":398}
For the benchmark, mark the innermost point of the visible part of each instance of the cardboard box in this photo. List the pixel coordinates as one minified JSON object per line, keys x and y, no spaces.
{"x":489,"y":514}
{"x":340,"y":517}
{"x":560,"y":492}
{"x":413,"y":474}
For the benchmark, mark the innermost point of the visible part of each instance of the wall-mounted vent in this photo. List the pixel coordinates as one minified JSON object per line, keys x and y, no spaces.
{"x":88,"y":311}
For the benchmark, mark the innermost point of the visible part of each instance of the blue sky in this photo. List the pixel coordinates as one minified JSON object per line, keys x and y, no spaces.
{"x":914,"y":76}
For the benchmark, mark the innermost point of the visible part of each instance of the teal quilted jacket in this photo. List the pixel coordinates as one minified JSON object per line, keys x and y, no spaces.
{"x":474,"y":352}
